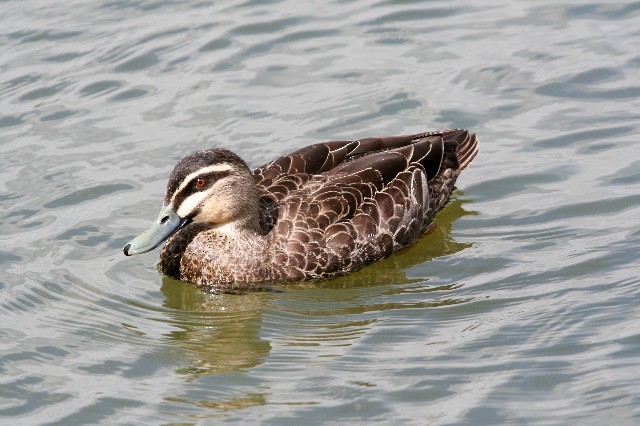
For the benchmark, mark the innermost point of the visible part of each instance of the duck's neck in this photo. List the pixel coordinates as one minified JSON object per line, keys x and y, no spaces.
{"x":237,"y":210}
{"x":247,"y":219}
{"x":247,"y":210}
{"x":246,"y":226}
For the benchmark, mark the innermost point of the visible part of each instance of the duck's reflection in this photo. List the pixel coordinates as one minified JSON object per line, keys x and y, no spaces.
{"x":220,"y":332}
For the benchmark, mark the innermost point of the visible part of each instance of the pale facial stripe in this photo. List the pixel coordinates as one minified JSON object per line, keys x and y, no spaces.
{"x":191,"y":203}
{"x":209,"y":169}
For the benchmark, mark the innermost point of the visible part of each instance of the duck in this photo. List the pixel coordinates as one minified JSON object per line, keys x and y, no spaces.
{"x":324,"y":210}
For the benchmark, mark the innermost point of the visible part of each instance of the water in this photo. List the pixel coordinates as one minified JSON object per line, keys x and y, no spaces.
{"x":522,"y":306}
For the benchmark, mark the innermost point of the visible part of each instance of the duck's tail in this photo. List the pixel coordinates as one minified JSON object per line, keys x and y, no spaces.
{"x":463,"y":143}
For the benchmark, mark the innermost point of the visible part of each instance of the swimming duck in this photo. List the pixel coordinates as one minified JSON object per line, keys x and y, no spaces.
{"x":324,"y":210}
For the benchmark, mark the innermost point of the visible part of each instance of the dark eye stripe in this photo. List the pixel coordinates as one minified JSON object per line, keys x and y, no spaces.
{"x":190,"y":188}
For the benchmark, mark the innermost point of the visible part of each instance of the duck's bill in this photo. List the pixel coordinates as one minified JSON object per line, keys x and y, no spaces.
{"x":166,"y":224}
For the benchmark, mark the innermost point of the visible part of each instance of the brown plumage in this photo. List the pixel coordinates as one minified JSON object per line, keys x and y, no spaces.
{"x":324,"y":210}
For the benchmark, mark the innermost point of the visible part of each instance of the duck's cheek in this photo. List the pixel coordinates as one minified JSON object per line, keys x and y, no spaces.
{"x":192,"y":205}
{"x":214,"y":211}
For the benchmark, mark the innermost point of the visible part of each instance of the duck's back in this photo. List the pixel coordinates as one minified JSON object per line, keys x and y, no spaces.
{"x":333,"y":207}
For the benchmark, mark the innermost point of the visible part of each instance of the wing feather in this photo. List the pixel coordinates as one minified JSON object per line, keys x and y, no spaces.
{"x":344,"y":204}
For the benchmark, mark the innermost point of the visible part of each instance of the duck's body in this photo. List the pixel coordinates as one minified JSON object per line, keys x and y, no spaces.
{"x":324,"y":210}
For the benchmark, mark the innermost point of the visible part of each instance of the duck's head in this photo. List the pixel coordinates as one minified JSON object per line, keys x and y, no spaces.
{"x":213,"y":186}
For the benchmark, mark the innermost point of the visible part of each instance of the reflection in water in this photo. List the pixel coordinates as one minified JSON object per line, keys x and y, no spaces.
{"x":220,"y":332}
{"x":225,"y":404}
{"x":221,"y":335}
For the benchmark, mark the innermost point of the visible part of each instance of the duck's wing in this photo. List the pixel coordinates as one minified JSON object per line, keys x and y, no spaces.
{"x":427,"y":149}
{"x":340,"y":222}
{"x":310,"y":160}
{"x":339,"y":205}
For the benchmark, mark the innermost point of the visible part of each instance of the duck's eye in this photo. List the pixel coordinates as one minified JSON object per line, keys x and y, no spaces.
{"x":200,"y":182}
